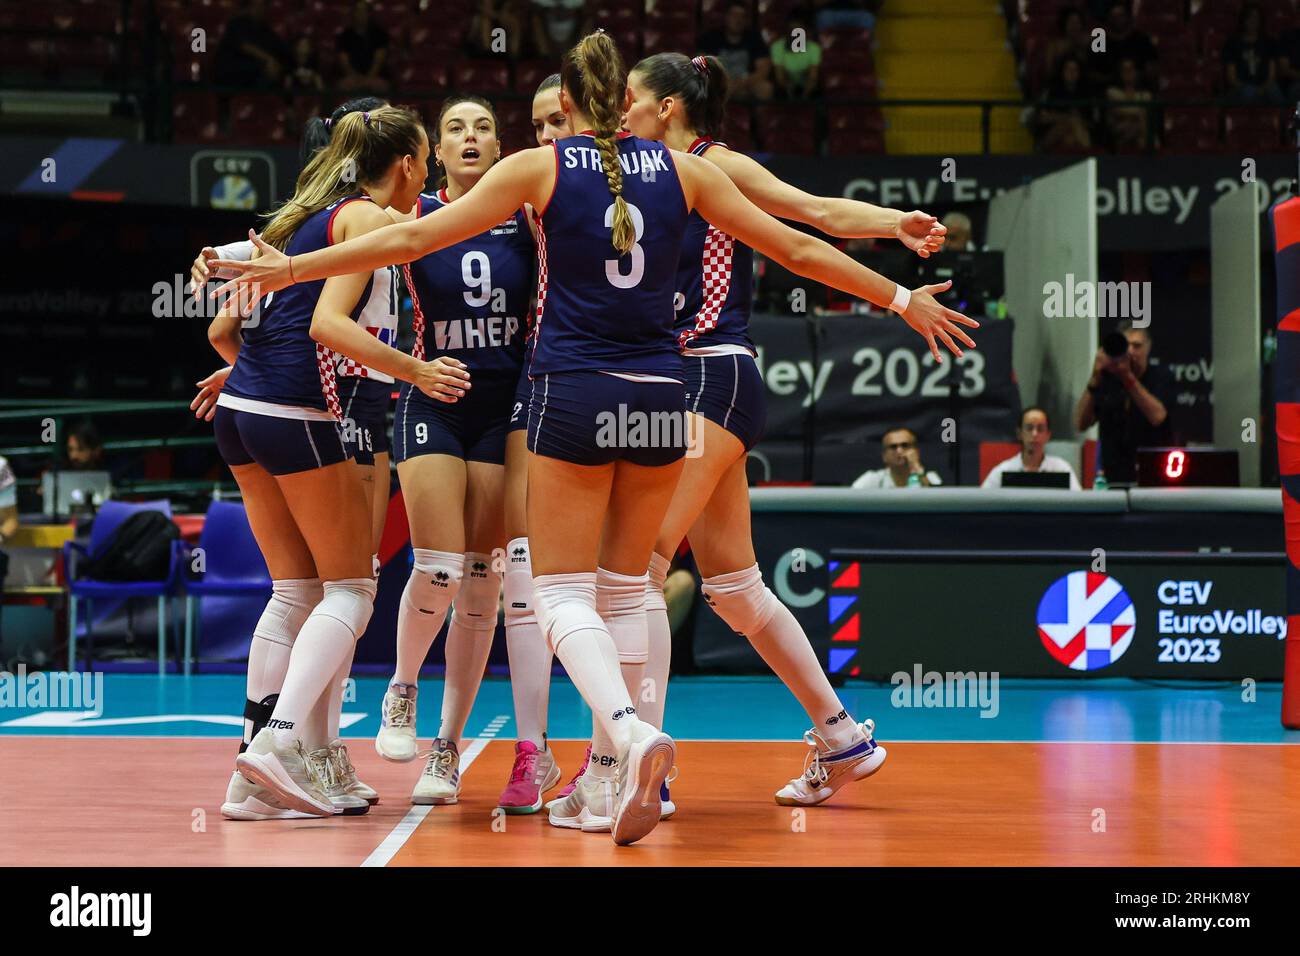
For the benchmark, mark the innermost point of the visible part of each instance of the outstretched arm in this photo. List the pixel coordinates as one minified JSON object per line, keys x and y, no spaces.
{"x":848,"y":218}
{"x":717,"y":199}
{"x":527,"y":176}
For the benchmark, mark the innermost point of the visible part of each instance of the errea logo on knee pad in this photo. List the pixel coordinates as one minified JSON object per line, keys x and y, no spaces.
{"x":440,"y":578}
{"x":478,"y":569}
{"x":518,"y":554}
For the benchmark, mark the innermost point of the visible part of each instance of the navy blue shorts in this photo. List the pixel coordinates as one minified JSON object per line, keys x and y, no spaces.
{"x":365,"y":416}
{"x":472,"y":429}
{"x":283,"y":446}
{"x":593,"y":418}
{"x":728,"y":390}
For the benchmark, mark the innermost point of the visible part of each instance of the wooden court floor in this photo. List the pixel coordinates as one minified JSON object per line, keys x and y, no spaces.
{"x":81,"y":801}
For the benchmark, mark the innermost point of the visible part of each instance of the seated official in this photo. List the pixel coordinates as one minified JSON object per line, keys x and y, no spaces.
{"x":902,"y":462}
{"x":1033,"y":433}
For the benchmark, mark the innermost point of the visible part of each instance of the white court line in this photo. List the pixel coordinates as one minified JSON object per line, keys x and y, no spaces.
{"x":382,"y":854}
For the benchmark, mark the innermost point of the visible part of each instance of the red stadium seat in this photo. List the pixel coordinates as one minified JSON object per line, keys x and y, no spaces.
{"x":480,"y":76}
{"x":669,"y":41}
{"x":846,"y":41}
{"x":788,"y":128}
{"x":738,"y":128}
{"x":855,"y":142}
{"x":419,"y":75}
{"x":849,"y":84}
{"x":195,"y":118}
{"x":259,"y":118}
{"x":1191,"y":129}
{"x":1250,"y":130}
{"x":530,"y":73}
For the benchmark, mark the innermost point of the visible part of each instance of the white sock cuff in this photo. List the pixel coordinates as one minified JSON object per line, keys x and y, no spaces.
{"x":741,"y":599}
{"x":616,"y":593}
{"x":566,"y":603}
{"x":735,"y":581}
{"x":291,"y":603}
{"x":429,"y":560}
{"x":658,"y":572}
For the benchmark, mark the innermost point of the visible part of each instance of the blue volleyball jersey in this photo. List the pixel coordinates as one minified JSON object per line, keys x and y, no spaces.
{"x":595,"y":308}
{"x":279,"y":363}
{"x":471,"y":299}
{"x":715,"y":283}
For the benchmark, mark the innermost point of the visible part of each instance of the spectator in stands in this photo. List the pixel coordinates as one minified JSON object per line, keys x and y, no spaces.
{"x":251,"y":53}
{"x":1123,"y":42}
{"x":8,"y":514}
{"x":83,"y":448}
{"x":960,"y":233}
{"x":363,"y":53}
{"x":1033,"y":433}
{"x":796,"y":70}
{"x":902,"y":463}
{"x":558,"y":25}
{"x":1128,"y":124}
{"x":1072,"y":40}
{"x":1129,"y":398}
{"x":305,"y":74}
{"x":845,"y":14}
{"x":742,"y":51}
{"x":1060,"y":125}
{"x":1249,"y":66}
{"x":508,"y":16}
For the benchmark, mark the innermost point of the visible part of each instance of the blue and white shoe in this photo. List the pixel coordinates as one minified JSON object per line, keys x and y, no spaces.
{"x":439,"y":783}
{"x":396,"y":738}
{"x":826,"y":770}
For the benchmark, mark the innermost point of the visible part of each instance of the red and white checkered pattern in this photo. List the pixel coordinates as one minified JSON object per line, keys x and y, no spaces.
{"x":349,"y":367}
{"x":326,"y":360}
{"x":417,"y":321}
{"x":715,"y":283}
{"x":541,"y":273}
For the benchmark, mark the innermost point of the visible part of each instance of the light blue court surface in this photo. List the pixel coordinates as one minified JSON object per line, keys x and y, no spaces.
{"x":699,"y":708}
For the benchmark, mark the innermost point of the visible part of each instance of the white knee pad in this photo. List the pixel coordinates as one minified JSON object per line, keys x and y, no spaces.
{"x":480,"y":592}
{"x":741,"y":599}
{"x":620,"y":601}
{"x":292,"y":601}
{"x":654,"y":588}
{"x":566,"y":603}
{"x":518,"y":584}
{"x":435,"y":580}
{"x":350,"y":602}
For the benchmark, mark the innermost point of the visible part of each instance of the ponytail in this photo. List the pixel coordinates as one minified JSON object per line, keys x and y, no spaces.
{"x":593,"y":74}
{"x":316,"y":135}
{"x":700,"y":84}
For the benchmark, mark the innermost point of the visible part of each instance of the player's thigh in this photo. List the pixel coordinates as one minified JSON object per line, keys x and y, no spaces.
{"x":433,"y":489}
{"x":516,"y":510}
{"x":381,"y":486}
{"x":721,"y":540}
{"x":637,"y":504}
{"x":485,"y":489}
{"x":567,"y":503}
{"x":330,"y":509}
{"x":283,"y":546}
{"x":719,"y":449}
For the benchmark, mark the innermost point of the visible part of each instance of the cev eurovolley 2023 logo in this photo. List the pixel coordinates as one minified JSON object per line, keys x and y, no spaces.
{"x":1086,"y":620}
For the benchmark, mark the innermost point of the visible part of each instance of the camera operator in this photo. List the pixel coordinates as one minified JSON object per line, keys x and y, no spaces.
{"x":1129,"y":397}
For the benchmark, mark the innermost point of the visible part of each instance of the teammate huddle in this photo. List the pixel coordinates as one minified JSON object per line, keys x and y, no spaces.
{"x":639,"y":221}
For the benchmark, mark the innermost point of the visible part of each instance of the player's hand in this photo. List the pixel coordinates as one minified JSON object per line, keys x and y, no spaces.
{"x":933,"y":321}
{"x":199,"y":270}
{"x":921,"y":232}
{"x":445,"y":379}
{"x":269,"y":272}
{"x":204,"y":405}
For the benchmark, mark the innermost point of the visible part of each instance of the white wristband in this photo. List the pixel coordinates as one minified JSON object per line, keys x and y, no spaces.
{"x":238,"y":251}
{"x":902,"y":298}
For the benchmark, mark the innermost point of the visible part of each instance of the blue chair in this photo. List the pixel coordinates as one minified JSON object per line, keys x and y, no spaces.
{"x":107,"y":520}
{"x":233,"y":565}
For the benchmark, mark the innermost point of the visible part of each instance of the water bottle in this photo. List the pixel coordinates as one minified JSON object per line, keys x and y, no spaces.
{"x":1270,"y":347}
{"x":914,"y":480}
{"x":1100,"y":483}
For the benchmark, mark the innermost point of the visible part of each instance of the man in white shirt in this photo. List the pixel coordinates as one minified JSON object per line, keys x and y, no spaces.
{"x":1033,"y":433}
{"x":902,"y":462}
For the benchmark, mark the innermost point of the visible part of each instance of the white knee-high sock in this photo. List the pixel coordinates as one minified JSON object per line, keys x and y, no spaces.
{"x":566,"y":605}
{"x":292,"y":600}
{"x":620,"y":601}
{"x":434,"y":582}
{"x":469,"y":642}
{"x":742,"y":600}
{"x":336,"y":695}
{"x":653,"y":700}
{"x":530,"y":657}
{"x":326,"y":639}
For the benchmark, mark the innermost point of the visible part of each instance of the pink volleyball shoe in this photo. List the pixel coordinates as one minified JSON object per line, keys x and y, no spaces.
{"x":534,"y":772}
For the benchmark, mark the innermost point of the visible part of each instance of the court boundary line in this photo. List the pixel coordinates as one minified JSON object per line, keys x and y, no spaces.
{"x":389,"y":847}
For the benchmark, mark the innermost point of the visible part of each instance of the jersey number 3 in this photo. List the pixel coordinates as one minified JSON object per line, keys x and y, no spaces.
{"x":633,"y":278}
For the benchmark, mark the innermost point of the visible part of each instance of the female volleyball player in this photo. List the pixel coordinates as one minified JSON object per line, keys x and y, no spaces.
{"x":680,"y":101}
{"x":364,"y":394}
{"x":277,"y":426}
{"x":471,"y":303}
{"x":605,"y":347}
